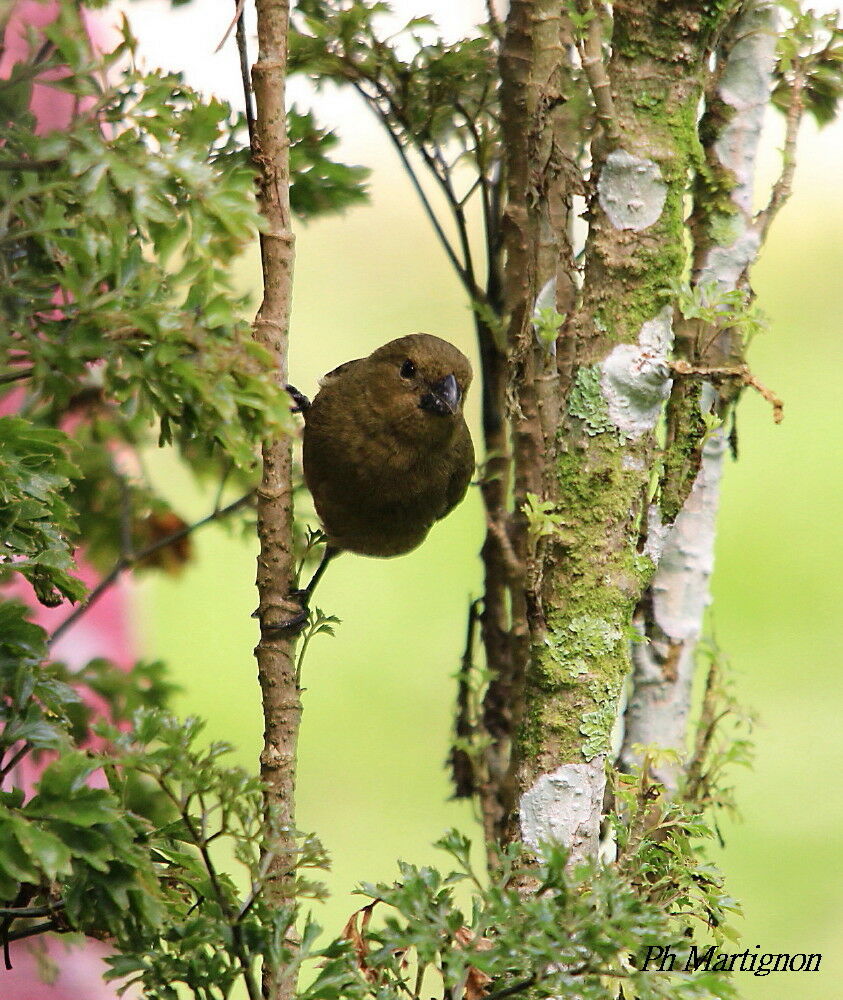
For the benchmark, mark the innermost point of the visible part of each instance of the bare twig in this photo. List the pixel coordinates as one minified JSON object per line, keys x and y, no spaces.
{"x":784,"y":184}
{"x":464,"y":276}
{"x":493,"y":20}
{"x":243,"y":52}
{"x":683,"y":369}
{"x":515,"y":569}
{"x":705,"y":732}
{"x":460,"y":759}
{"x":19,"y":754}
{"x":28,"y":164}
{"x":238,"y":13}
{"x":127,"y":561}
{"x":29,"y":912}
{"x":591,"y":53}
{"x":47,"y":925}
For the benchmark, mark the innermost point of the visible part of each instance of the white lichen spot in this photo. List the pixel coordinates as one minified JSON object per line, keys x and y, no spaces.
{"x":561,"y":806}
{"x":635,"y":379}
{"x":631,"y":190}
{"x":657,"y":534}
{"x":726,"y":265}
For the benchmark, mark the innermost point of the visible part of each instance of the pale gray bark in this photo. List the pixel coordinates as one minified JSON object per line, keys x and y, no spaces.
{"x":663,"y":669}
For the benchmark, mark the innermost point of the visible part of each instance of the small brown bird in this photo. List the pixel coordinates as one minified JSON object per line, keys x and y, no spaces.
{"x":387,"y":452}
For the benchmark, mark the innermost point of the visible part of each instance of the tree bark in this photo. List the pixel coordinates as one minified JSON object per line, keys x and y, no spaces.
{"x":539,"y":265}
{"x":584,"y":579}
{"x":671,"y":614}
{"x":275,"y":568}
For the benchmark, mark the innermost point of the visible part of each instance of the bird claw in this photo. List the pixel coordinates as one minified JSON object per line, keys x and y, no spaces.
{"x":299,"y":398}
{"x":292,"y":625}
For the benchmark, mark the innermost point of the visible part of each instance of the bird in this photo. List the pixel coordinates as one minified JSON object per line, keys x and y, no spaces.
{"x":386,"y":449}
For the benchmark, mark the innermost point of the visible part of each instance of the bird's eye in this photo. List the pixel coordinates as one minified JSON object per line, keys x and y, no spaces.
{"x":408,"y":369}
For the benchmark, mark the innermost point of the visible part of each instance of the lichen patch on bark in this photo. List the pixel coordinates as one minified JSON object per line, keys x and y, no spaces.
{"x":561,"y":808}
{"x":635,"y":379}
{"x":631,"y":190}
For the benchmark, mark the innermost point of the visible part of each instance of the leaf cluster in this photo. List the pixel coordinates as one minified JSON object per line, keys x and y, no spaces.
{"x":810,"y":59}
{"x":585,"y":930}
{"x":36,"y":522}
{"x":118,"y":235}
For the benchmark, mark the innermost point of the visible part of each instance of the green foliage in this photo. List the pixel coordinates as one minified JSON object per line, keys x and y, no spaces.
{"x":36,"y":522}
{"x":810,"y":61}
{"x":211,"y":934}
{"x":319,"y":184}
{"x":587,"y":930}
{"x":542,"y":517}
{"x":432,"y":96}
{"x":318,"y":623}
{"x":145,"y":869}
{"x":715,"y":308}
{"x":128,"y":222}
{"x":117,"y":311}
{"x":439,"y":91}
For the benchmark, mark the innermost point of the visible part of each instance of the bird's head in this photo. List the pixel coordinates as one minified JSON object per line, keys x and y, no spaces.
{"x":421,"y":383}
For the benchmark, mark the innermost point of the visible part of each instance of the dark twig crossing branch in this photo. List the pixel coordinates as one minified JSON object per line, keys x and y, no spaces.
{"x":129,"y":560}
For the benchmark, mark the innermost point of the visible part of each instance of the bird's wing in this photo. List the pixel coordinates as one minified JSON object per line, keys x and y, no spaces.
{"x":461,"y":476}
{"x":334,"y":373}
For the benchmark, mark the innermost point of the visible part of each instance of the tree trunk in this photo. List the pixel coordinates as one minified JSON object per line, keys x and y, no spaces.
{"x":583,"y":544}
{"x":671,"y":613}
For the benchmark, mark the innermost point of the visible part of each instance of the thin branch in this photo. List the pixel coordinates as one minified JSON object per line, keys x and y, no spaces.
{"x":7,"y":377}
{"x":783,"y":187}
{"x":29,"y":164}
{"x":493,"y":20}
{"x":280,"y":692}
{"x":238,"y":12}
{"x":243,"y":51}
{"x":126,"y":562}
{"x":460,"y":759}
{"x":465,"y":278}
{"x":47,"y":925}
{"x":20,"y":753}
{"x":28,"y":912}
{"x":514,"y":989}
{"x":201,"y":843}
{"x":682,"y":369}
{"x":480,"y":159}
{"x":591,"y":53}
{"x":439,"y":169}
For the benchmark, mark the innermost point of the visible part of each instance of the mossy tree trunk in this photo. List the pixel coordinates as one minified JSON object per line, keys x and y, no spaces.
{"x":586,"y":533}
{"x":727,"y":239}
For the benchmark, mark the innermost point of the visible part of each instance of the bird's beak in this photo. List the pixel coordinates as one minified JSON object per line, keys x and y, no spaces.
{"x":443,"y":398}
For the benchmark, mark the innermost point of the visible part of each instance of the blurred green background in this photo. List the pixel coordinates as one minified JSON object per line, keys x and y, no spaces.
{"x":379,"y":696}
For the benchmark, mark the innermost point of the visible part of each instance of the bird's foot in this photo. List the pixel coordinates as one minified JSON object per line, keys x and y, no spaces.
{"x":294,"y":613}
{"x":299,"y":398}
